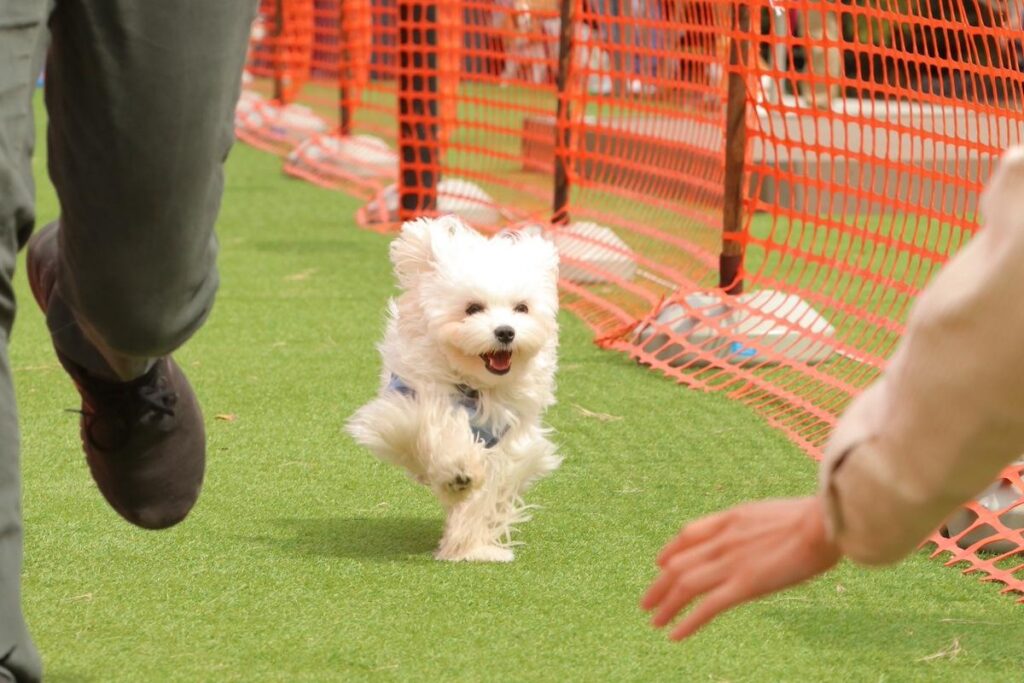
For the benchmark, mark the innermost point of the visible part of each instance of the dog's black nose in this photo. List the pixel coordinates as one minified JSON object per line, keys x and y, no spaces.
{"x":505,"y":334}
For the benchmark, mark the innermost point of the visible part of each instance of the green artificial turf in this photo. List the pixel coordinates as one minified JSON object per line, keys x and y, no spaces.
{"x":307,"y":560}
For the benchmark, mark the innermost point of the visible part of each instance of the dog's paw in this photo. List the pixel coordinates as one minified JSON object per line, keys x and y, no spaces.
{"x":490,"y":553}
{"x":481,"y":553}
{"x":461,"y":483}
{"x":457,"y":481}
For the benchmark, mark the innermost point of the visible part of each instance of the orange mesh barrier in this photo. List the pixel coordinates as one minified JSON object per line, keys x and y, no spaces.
{"x":461,"y":124}
{"x":747,"y":196}
{"x":285,"y":37}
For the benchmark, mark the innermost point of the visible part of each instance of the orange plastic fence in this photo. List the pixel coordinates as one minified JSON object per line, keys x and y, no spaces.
{"x":747,"y":196}
{"x":280,"y":53}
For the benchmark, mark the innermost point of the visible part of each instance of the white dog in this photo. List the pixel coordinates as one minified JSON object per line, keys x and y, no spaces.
{"x":469,"y":361}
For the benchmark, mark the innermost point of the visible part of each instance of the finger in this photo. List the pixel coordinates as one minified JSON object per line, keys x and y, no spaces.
{"x":723,"y":598}
{"x":687,"y":561}
{"x":658,"y":589}
{"x":688,"y":586}
{"x":702,"y":553}
{"x":696,"y":532}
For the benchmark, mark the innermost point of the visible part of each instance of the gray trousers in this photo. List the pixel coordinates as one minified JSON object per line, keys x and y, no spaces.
{"x":140,"y":96}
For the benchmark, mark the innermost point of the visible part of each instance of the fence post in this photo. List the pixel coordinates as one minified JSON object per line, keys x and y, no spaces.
{"x":279,"y":51}
{"x":418,"y":108}
{"x":346,"y":74}
{"x":563,"y":130}
{"x":730,"y":261}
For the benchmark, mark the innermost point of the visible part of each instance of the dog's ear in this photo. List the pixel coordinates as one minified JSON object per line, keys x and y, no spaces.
{"x":551,"y":259}
{"x":545,"y":251}
{"x":416,"y":249}
{"x":412,"y":253}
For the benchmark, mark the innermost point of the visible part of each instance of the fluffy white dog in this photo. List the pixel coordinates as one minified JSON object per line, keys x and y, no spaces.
{"x":469,"y":357}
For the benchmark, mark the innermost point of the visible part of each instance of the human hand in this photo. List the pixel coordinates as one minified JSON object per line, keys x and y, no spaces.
{"x":737,"y":555}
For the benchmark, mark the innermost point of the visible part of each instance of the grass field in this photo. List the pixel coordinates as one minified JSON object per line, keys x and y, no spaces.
{"x":306,"y":560}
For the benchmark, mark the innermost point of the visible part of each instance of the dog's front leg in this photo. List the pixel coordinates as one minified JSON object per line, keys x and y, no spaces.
{"x":451,"y":456}
{"x":389,"y":427}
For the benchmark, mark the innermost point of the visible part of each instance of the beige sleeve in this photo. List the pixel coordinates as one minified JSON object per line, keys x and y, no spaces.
{"x":948,"y":413}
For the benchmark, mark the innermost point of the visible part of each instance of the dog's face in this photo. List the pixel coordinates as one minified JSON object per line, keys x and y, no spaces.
{"x":490,"y":305}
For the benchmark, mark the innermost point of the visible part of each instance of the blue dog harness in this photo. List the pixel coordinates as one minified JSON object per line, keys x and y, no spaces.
{"x":469,"y":400}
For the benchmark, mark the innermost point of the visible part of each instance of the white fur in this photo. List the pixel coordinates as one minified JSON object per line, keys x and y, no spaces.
{"x":434,"y":345}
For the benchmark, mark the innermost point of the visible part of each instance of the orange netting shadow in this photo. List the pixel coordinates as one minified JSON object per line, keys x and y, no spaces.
{"x":746,"y":196}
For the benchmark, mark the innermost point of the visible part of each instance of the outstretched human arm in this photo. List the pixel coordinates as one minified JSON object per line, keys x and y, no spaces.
{"x":931,"y":433}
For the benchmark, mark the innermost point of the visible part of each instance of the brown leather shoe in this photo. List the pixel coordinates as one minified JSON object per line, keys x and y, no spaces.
{"x":144,"y":440}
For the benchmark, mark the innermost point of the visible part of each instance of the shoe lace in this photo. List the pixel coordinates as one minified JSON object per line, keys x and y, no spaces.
{"x":146,"y":397}
{"x":158,"y":398}
{"x":128,"y":404}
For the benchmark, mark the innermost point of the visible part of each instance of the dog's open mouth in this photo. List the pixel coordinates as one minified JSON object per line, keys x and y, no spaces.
{"x":497,"y":362}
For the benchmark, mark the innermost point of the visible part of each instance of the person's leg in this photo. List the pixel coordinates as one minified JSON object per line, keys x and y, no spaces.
{"x":22,"y":38}
{"x":649,"y":43}
{"x":782,"y":65}
{"x":824,"y":62}
{"x":141,"y":97}
{"x":610,"y":29}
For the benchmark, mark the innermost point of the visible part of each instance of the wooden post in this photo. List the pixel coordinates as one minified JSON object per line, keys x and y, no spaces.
{"x":346,"y":75}
{"x":563,"y":131}
{"x":279,"y":51}
{"x":418,"y":108}
{"x":730,"y":262}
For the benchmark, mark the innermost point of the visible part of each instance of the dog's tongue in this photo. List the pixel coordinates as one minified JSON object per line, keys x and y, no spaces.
{"x":500,"y":360}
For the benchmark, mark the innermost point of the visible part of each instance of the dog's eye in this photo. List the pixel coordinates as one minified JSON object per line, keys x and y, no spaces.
{"x":473,"y":309}
{"x":522,"y":308}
